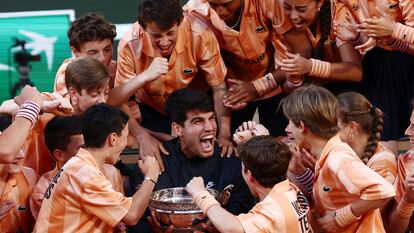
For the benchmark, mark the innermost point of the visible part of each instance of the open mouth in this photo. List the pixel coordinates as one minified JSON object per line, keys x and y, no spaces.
{"x":164,"y":50}
{"x":206,"y":143}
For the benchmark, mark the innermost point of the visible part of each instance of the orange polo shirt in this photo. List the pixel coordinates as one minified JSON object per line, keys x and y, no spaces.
{"x":399,"y":10}
{"x":17,"y":189}
{"x":405,"y":165}
{"x":384,"y":163}
{"x":284,"y":209}
{"x":196,"y":51}
{"x":36,"y":198}
{"x":60,"y":86}
{"x":341,"y":179}
{"x":81,"y":199}
{"x":37,"y":155}
{"x":251,"y":52}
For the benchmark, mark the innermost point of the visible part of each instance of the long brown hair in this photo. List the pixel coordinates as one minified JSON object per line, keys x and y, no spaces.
{"x":355,"y":107}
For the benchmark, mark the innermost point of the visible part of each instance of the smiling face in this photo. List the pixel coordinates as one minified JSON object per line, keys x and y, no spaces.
{"x":409,"y":132}
{"x":119,"y":146}
{"x":162,"y":40}
{"x":294,"y":133}
{"x":197,"y":134}
{"x":84,"y":100}
{"x":227,"y":10}
{"x":101,"y":50}
{"x":303,"y":13}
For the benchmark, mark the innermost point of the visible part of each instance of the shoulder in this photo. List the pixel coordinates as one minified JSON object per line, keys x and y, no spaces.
{"x":199,"y":29}
{"x":134,"y":33}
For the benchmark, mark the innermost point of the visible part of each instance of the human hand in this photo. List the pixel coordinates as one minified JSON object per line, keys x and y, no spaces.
{"x":59,"y":106}
{"x":29,"y":93}
{"x":377,"y":27}
{"x":328,"y":222}
{"x":409,"y":187}
{"x":301,"y":160}
{"x":239,"y":91}
{"x":158,"y":67}
{"x":195,"y":186}
{"x":295,"y":64}
{"x":226,"y":145}
{"x":120,"y":228}
{"x":134,"y":109}
{"x":150,"y":146}
{"x":367,"y":46}
{"x":345,"y":30}
{"x":5,"y":207}
{"x":149,"y":167}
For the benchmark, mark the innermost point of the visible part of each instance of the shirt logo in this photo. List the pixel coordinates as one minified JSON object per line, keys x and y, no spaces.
{"x":187,"y":71}
{"x":392,"y":5}
{"x":259,"y":28}
{"x":22,"y":208}
{"x":210,"y":184}
{"x":327,"y":189}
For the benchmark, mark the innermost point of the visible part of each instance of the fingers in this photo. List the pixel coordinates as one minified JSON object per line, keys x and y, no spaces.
{"x":163,"y":150}
{"x":260,"y":130}
{"x":226,"y":148}
{"x":247,"y":125}
{"x":235,"y":107}
{"x":234,"y":81}
{"x":368,"y":45}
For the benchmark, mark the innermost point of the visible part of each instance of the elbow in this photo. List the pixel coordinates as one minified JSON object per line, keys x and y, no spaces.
{"x":131,"y":219}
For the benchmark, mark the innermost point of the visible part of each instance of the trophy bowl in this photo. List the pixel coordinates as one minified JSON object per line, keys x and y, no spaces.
{"x":175,"y":207}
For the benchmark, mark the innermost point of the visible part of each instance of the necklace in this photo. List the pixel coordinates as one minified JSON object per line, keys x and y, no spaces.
{"x":238,"y":20}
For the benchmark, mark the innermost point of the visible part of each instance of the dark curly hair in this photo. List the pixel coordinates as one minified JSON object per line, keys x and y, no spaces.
{"x":90,"y":27}
{"x":266,"y":158}
{"x":164,"y":13}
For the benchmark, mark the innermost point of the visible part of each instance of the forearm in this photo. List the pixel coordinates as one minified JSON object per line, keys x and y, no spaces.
{"x":122,"y":93}
{"x":346,"y":71}
{"x":349,"y":69}
{"x":140,"y":201}
{"x":223,"y":220}
{"x":13,"y":138}
{"x":223,"y":114}
{"x":361,"y":207}
{"x":398,"y":223}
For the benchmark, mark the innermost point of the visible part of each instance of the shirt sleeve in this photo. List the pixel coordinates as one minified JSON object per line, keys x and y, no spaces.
{"x":125,"y":64}
{"x":273,"y":10}
{"x":60,"y":85}
{"x":358,"y":179}
{"x":211,"y":62}
{"x":405,"y":162}
{"x":257,"y":220}
{"x":407,"y":10}
{"x":100,"y":199}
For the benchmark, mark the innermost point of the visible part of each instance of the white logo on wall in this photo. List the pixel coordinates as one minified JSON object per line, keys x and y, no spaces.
{"x":39,"y":44}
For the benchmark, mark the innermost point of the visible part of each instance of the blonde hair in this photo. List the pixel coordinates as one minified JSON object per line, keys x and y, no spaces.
{"x":316,"y":107}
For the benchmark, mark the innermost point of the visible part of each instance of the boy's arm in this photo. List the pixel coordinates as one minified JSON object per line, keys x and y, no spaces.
{"x":13,"y":138}
{"x":223,"y":118}
{"x":221,"y":218}
{"x":123,"y":92}
{"x":140,"y":199}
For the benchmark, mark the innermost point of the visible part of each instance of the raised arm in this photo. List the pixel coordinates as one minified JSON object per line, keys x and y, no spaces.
{"x":13,"y":138}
